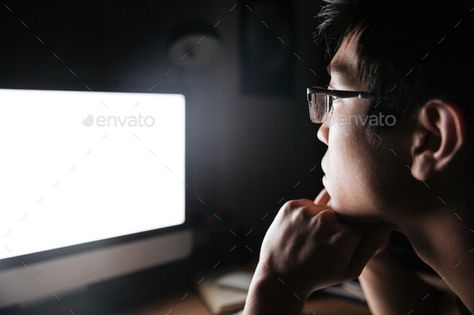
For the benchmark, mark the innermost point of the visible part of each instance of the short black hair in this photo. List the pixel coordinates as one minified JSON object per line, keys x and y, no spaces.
{"x":411,"y":50}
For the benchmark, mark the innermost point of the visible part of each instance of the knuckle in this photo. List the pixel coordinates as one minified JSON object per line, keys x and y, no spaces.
{"x":297,"y":213}
{"x":290,"y":204}
{"x":297,"y":210}
{"x":304,"y":209}
{"x":286,"y":210}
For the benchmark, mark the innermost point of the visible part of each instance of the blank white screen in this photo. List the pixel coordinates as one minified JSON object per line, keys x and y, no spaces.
{"x":77,"y":167}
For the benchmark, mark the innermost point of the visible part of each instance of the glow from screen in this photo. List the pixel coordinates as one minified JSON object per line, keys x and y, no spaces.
{"x":77,"y":167}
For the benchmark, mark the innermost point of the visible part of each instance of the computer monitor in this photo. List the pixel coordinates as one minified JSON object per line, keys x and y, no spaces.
{"x":93,"y":187}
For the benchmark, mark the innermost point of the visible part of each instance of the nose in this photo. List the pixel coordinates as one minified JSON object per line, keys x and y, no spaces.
{"x":323,"y":133}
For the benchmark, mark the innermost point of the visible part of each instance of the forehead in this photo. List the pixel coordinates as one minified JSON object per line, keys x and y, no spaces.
{"x":343,"y":65}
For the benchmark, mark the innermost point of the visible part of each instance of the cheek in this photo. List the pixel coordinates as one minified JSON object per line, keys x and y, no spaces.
{"x":350,"y":179}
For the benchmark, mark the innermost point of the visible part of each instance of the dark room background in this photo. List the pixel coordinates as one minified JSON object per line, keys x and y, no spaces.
{"x":251,"y":145}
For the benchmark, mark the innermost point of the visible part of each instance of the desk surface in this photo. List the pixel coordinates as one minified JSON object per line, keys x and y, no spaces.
{"x":191,"y":305}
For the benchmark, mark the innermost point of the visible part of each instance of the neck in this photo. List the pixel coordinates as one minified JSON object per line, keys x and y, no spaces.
{"x":444,"y":239}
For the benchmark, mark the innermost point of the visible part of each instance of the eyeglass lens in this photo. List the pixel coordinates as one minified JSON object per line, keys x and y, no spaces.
{"x":319,"y":106}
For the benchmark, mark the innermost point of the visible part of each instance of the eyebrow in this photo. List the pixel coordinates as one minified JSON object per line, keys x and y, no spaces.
{"x":345,"y":71}
{"x":339,"y":67}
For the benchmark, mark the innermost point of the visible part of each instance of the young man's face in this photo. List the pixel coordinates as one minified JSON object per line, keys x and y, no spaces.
{"x":358,"y":176}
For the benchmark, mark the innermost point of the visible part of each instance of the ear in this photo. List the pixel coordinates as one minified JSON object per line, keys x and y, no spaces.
{"x":438,"y":137}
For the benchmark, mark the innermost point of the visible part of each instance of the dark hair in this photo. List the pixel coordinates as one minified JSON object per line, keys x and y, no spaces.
{"x":411,"y":50}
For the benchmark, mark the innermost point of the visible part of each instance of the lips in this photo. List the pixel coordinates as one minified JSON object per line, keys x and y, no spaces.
{"x":324,"y":179}
{"x":322,"y":164}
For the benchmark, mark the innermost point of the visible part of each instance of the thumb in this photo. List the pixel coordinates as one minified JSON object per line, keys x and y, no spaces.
{"x":373,"y":239}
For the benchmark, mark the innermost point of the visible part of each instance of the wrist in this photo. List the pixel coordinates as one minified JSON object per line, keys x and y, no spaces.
{"x":272,"y":294}
{"x":376,"y":264}
{"x":265,"y":276}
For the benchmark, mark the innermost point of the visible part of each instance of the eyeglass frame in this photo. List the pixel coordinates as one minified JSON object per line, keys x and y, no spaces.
{"x":333,"y":93}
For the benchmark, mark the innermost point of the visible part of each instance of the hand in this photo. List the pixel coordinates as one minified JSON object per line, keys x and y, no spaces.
{"x":308,"y":248}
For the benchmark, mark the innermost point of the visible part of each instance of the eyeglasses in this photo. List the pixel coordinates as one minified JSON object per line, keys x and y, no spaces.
{"x":320,"y":101}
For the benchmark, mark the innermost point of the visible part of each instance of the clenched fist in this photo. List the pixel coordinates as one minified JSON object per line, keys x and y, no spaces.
{"x":307,"y":248}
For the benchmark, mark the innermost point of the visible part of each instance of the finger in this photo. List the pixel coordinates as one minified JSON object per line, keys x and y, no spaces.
{"x":322,"y":198}
{"x":309,"y":208}
{"x":370,"y":242}
{"x":292,"y":205}
{"x":315,"y":209}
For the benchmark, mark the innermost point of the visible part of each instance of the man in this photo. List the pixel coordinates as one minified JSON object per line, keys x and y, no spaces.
{"x":414,"y":63}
